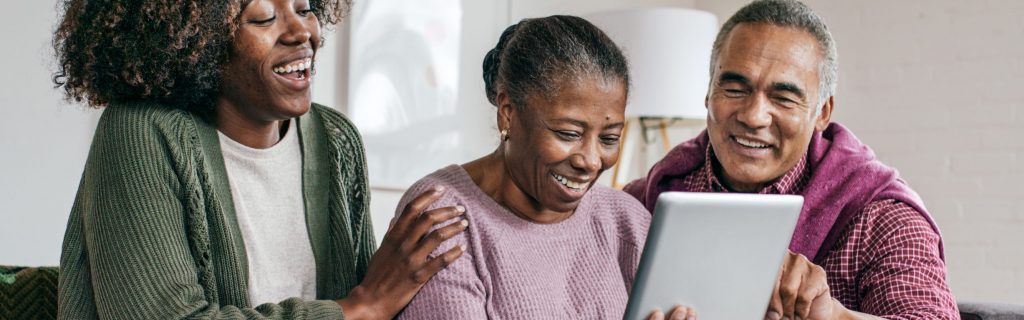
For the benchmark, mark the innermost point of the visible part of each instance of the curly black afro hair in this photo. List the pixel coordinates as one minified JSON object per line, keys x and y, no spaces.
{"x":168,"y":51}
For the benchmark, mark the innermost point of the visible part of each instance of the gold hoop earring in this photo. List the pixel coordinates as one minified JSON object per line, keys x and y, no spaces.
{"x":504,"y":135}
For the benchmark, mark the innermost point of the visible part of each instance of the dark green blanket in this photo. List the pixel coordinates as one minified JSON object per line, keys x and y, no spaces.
{"x":28,"y":293}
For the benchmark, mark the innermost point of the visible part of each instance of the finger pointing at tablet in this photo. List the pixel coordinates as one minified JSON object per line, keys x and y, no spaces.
{"x":801,"y":291}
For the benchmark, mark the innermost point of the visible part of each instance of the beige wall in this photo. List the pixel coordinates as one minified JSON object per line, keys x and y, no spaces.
{"x":934,"y":87}
{"x":43,"y":140}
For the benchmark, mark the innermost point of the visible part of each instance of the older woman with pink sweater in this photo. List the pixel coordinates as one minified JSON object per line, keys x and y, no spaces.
{"x":544,"y":240}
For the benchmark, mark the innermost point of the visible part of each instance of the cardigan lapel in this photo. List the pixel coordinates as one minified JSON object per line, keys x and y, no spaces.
{"x":316,"y":177}
{"x":229,"y":257}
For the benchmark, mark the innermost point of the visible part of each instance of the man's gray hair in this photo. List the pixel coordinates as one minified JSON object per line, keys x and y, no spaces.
{"x":788,"y":13}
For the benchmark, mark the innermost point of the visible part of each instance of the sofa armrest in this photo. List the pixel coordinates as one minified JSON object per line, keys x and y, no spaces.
{"x":973,"y":310}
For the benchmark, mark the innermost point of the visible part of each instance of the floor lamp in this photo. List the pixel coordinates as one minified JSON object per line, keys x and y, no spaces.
{"x":668,"y":51}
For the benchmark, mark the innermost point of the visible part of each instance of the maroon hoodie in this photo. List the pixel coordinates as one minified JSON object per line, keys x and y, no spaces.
{"x":845,"y":177}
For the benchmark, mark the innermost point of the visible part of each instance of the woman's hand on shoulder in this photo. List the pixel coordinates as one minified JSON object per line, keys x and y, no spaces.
{"x":403,"y":263}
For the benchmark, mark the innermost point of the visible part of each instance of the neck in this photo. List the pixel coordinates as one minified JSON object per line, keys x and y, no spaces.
{"x":735,"y":186}
{"x":247,"y":130}
{"x":491,"y":174}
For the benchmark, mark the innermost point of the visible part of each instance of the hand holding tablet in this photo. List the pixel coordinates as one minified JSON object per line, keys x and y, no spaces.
{"x":718,"y":254}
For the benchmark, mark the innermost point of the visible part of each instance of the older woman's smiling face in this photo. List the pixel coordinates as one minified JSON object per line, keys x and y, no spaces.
{"x":267,"y":77}
{"x":558,"y":147}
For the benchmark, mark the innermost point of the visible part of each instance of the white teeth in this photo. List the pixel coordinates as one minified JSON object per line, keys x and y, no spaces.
{"x":751,"y":144}
{"x":298,"y":66}
{"x":571,"y":184}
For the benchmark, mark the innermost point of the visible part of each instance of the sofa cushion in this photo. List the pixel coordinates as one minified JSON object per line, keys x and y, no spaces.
{"x":28,"y":293}
{"x":990,"y":311}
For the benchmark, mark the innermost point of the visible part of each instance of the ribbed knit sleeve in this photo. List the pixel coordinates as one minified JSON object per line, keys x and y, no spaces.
{"x":353,"y":158}
{"x":127,"y":252}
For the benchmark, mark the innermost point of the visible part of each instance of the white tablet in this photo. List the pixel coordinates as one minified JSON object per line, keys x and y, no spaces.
{"x":718,"y":253}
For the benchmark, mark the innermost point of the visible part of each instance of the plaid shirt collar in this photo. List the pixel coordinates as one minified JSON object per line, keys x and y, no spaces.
{"x":793,"y":182}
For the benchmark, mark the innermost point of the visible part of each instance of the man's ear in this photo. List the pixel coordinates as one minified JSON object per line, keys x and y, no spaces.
{"x":825,"y":115}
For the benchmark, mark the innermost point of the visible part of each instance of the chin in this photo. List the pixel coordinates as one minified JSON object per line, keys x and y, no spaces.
{"x":293,"y":109}
{"x":748,"y":174}
{"x":562,"y":206}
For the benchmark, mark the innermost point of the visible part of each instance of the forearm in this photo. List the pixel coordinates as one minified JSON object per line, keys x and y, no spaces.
{"x":842,"y":313}
{"x":861,"y":316}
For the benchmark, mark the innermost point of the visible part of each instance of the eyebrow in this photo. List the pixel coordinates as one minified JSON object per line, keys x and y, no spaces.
{"x":582,"y":124}
{"x":729,"y":76}
{"x":615,"y":125}
{"x":571,"y":121}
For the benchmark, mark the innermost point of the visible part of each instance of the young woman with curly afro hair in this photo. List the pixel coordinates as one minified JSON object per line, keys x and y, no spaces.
{"x":214,"y":187}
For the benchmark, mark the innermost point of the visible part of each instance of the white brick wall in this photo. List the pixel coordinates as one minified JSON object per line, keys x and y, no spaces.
{"x":935,"y":88}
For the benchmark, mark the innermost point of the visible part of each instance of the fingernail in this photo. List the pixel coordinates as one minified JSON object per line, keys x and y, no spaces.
{"x":464,"y":222}
{"x":691,"y":318}
{"x":438,"y":189}
{"x":462,"y":247}
{"x":460,"y":208}
{"x":785,"y":318}
{"x":772,"y":315}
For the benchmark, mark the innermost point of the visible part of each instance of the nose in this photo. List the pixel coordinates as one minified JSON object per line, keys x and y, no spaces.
{"x":587,"y":157}
{"x":296,"y":32}
{"x":756,"y":113}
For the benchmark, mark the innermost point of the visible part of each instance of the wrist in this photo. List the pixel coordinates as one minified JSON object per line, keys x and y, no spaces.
{"x":358,"y":306}
{"x":840,"y":312}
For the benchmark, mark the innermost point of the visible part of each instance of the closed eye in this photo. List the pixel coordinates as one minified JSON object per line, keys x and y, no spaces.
{"x":610,"y":140}
{"x":735,"y":93}
{"x":263,"y":22}
{"x":786,"y":101}
{"x":568,"y":135}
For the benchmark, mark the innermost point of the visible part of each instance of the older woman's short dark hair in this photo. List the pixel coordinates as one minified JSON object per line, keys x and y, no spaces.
{"x":538,"y":56}
{"x":169,"y":51}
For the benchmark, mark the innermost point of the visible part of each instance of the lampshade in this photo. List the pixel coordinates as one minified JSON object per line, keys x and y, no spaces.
{"x":669,"y":50}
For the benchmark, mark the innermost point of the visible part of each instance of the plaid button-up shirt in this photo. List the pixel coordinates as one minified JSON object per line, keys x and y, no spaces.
{"x":885,"y":263}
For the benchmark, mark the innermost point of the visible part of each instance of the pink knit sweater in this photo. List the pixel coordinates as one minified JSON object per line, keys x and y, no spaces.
{"x":580,"y":268}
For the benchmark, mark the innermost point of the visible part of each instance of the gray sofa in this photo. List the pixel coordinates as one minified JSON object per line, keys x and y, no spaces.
{"x":990,"y":311}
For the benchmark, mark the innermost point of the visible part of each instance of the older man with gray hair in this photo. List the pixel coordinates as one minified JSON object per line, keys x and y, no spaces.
{"x":864,"y":245}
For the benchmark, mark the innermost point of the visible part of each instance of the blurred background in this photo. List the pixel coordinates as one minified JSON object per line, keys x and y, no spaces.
{"x":934,"y":87}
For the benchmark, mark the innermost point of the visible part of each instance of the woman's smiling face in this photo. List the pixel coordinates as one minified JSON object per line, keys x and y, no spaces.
{"x":558,"y":146}
{"x":267,"y":76}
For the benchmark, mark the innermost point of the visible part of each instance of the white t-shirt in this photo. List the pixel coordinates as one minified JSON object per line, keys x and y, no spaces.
{"x":266,"y":186}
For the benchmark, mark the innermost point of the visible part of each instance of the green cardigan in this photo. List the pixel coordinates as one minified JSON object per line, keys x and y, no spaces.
{"x":153,"y":235}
